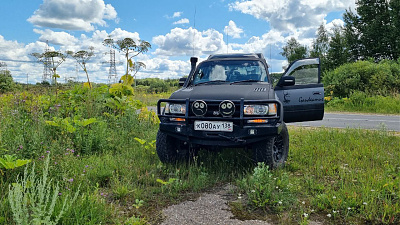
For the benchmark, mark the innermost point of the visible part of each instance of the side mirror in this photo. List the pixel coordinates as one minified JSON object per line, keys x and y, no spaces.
{"x":182,"y":81}
{"x":287,"y":81}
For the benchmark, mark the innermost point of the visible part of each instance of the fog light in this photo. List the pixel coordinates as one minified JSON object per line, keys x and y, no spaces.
{"x":178,"y":129}
{"x":258,"y":121}
{"x":252,"y":132}
{"x":177,"y":119}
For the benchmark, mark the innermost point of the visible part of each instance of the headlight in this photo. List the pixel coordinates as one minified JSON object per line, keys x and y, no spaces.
{"x":175,"y":108}
{"x":260,"y":110}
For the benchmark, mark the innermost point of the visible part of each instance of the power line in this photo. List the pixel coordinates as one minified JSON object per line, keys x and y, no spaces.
{"x":15,"y":60}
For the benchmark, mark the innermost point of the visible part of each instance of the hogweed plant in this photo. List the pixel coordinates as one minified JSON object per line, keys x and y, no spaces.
{"x":148,"y":145}
{"x":33,"y":199}
{"x":10,"y":162}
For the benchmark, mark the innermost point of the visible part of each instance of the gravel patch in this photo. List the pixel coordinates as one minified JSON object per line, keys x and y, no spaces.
{"x":209,"y":209}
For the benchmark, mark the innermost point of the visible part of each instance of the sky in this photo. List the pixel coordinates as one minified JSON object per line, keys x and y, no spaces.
{"x":176,"y":30}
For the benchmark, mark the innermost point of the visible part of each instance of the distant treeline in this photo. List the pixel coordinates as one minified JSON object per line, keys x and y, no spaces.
{"x":372,"y":32}
{"x":157,"y":85}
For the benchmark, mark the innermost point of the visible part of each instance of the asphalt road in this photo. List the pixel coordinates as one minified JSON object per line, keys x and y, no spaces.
{"x":348,"y":120}
{"x":363,"y":121}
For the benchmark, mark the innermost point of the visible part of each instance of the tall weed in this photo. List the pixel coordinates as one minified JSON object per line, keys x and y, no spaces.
{"x":33,"y":199}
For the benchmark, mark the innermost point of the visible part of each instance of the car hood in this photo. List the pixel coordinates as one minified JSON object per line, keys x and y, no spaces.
{"x":226,"y":92}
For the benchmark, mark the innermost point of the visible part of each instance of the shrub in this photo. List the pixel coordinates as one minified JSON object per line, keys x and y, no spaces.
{"x":372,"y":78}
{"x":6,"y":81}
{"x":266,"y":189}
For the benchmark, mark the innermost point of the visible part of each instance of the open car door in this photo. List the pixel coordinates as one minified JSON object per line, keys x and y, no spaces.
{"x":301,"y":92}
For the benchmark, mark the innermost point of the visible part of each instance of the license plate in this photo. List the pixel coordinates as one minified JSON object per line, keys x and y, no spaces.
{"x":213,"y":126}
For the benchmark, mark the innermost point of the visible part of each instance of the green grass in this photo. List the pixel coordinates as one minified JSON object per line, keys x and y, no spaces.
{"x":360,"y":102}
{"x":337,"y":176}
{"x":122,"y":180}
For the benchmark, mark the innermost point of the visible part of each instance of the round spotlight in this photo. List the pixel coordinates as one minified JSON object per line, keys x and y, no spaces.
{"x":227,"y":108}
{"x":199,"y":108}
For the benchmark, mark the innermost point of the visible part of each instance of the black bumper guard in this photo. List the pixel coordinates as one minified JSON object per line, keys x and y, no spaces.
{"x":242,"y":102}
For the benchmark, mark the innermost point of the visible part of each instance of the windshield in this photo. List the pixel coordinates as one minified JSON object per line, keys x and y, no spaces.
{"x":230,"y":71}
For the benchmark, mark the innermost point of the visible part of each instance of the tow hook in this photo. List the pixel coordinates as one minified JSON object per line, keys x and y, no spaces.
{"x":235,"y":139}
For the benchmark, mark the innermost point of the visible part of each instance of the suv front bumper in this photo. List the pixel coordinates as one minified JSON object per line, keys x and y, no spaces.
{"x":243,"y":133}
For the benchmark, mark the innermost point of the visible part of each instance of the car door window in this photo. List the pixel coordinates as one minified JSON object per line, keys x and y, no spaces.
{"x":306,"y":74}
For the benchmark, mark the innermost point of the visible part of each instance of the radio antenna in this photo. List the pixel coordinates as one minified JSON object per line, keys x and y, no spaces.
{"x":194,"y":27}
{"x":227,"y":40}
{"x":270,"y":57}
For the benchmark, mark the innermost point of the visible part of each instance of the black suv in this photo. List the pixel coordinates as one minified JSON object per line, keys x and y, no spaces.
{"x":229,"y":100}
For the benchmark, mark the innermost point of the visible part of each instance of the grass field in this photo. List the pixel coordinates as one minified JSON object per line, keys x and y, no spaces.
{"x":101,"y":151}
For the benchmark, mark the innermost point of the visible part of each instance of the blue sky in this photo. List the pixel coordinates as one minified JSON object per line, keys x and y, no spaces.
{"x":176,"y":30}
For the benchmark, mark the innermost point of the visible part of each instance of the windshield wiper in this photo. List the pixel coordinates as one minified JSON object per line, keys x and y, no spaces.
{"x":244,"y":81}
{"x":211,"y":81}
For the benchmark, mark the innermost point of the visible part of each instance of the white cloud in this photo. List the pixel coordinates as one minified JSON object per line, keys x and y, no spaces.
{"x":164,"y":68}
{"x":291,"y":15}
{"x":232,"y":30}
{"x":333,"y":23}
{"x":177,"y":14}
{"x":55,"y":38}
{"x":118,"y":34}
{"x":261,"y":44}
{"x":182,"y":21}
{"x":185,"y":42}
{"x":73,"y":14}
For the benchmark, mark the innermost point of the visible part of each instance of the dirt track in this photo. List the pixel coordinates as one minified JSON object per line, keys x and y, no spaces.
{"x":210,"y":208}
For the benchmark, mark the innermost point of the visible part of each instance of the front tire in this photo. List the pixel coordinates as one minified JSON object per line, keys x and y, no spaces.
{"x":274,"y":150}
{"x":170,"y":150}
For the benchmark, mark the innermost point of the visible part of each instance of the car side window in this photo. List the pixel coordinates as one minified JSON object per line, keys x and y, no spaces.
{"x":307,"y":74}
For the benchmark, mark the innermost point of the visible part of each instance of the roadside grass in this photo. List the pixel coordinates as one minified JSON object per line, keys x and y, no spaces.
{"x":151,"y":99}
{"x":90,"y":139}
{"x":360,"y":102}
{"x":339,"y":176}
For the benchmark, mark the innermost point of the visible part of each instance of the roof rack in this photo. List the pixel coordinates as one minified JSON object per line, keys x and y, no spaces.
{"x":237,"y":55}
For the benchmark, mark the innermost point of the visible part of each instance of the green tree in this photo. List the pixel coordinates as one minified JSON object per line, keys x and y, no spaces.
{"x":351,"y":35}
{"x":337,"y":53}
{"x":81,"y":58}
{"x":6,"y":81}
{"x":374,"y":30}
{"x":375,"y":26}
{"x":394,"y":7}
{"x":293,"y":50}
{"x":320,"y":46}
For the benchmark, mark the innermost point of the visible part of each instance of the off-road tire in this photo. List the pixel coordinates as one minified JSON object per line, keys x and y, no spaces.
{"x":171,"y":150}
{"x":274,"y":150}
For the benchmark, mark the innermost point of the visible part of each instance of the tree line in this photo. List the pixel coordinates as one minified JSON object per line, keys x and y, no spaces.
{"x":372,"y":32}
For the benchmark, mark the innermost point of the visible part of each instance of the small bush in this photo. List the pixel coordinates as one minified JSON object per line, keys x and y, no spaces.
{"x":372,"y":78}
{"x":266,"y":189}
{"x":6,"y":81}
